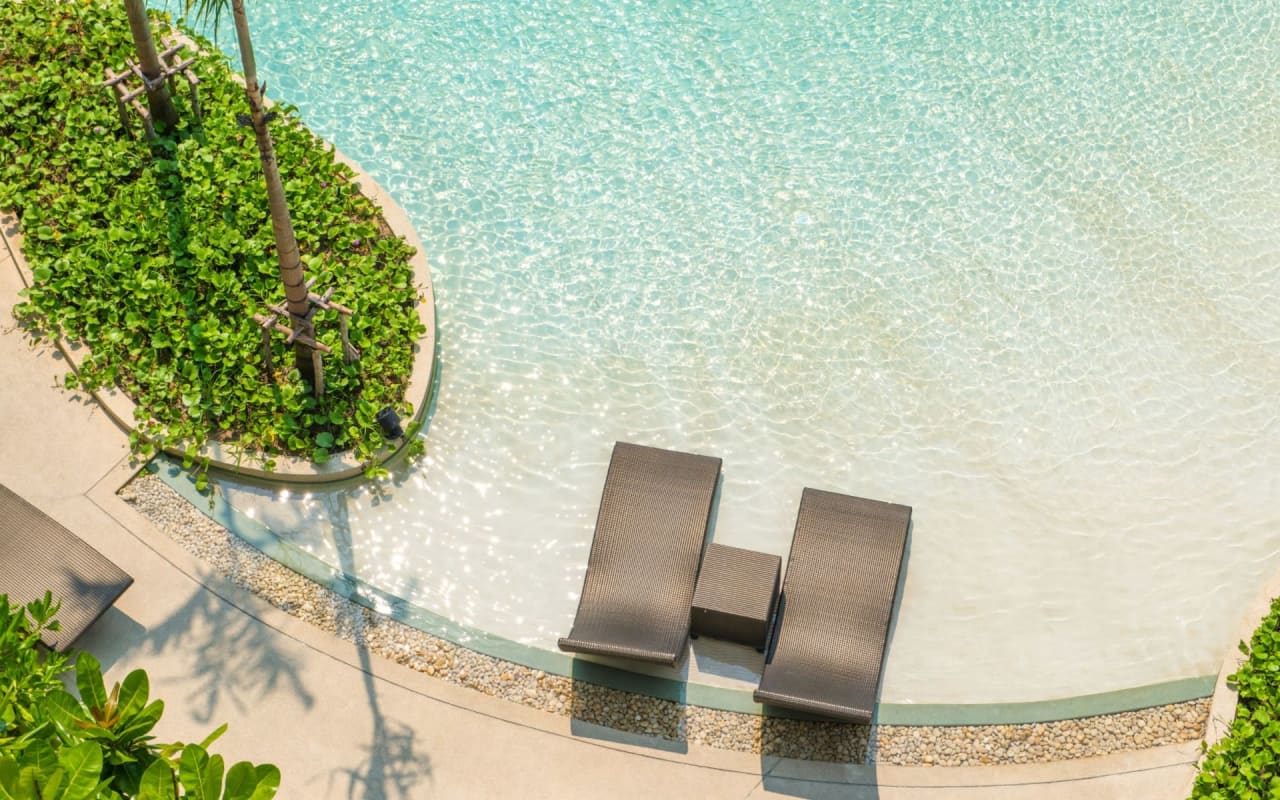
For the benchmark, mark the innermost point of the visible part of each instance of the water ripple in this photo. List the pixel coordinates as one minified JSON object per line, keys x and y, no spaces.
{"x":1012,"y":264}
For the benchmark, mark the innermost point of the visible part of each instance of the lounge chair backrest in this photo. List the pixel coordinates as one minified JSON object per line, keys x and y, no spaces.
{"x":38,"y":554}
{"x":829,"y":638}
{"x":645,"y":554}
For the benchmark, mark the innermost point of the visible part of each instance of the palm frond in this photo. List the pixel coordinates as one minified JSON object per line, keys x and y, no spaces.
{"x":207,"y":11}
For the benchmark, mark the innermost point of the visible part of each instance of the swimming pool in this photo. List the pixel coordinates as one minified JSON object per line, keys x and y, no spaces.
{"x":1013,"y":265}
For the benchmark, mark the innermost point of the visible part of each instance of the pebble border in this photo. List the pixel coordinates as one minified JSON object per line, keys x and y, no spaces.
{"x":899,"y":745}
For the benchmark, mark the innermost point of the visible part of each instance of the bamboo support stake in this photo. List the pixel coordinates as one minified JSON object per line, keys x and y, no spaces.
{"x":349,"y":351}
{"x":192,"y":83}
{"x":171,"y":70}
{"x":146,"y":117}
{"x":182,"y":68}
{"x":303,"y":332}
{"x":266,"y":350}
{"x":317,"y":365}
{"x":124,"y":115}
{"x":112,"y":86}
{"x":126,"y":98}
{"x":291,"y":335}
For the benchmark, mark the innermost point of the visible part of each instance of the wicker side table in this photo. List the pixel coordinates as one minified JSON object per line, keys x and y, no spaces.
{"x":736,"y":594}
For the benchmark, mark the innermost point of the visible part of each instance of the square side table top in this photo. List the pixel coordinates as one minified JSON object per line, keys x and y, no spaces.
{"x":739,"y":582}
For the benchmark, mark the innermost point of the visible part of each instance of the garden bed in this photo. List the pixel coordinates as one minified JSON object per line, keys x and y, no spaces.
{"x":155,"y":255}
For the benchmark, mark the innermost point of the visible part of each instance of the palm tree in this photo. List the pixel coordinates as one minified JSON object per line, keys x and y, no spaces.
{"x":158,"y":99}
{"x":288,"y":258}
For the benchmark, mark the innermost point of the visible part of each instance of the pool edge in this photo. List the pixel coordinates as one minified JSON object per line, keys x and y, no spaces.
{"x":695,"y":694}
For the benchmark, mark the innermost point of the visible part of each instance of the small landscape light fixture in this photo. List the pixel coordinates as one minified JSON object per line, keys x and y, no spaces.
{"x":390,"y":422}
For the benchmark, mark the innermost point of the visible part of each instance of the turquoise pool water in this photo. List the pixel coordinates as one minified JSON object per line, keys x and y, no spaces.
{"x":1013,"y":264}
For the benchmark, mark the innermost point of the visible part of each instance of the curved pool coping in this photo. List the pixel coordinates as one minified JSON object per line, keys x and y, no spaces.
{"x":689,"y":693}
{"x":288,"y":469}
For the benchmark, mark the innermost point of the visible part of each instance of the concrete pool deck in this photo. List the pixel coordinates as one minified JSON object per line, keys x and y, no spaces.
{"x":340,"y":722}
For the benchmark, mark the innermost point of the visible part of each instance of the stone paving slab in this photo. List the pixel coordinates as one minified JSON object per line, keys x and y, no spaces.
{"x":54,"y":441}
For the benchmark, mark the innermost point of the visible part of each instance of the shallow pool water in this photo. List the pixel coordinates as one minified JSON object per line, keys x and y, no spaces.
{"x":1013,"y":264}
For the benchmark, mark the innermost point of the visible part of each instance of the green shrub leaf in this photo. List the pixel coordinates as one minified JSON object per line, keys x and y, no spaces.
{"x":157,"y":782}
{"x":89,"y":681}
{"x":1246,"y":762}
{"x":133,"y":693}
{"x":200,"y":774}
{"x":83,"y":766}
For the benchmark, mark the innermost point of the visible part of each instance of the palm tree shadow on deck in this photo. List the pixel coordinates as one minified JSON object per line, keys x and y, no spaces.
{"x":391,"y":768}
{"x":234,"y":656}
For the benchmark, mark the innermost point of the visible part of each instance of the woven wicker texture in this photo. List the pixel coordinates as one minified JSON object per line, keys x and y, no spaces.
{"x":832,"y":625}
{"x":735,"y":595}
{"x":645,"y":555}
{"x":38,"y":554}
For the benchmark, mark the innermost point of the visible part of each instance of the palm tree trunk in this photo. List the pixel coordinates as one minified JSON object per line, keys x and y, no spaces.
{"x":158,"y":99}
{"x":287,"y":255}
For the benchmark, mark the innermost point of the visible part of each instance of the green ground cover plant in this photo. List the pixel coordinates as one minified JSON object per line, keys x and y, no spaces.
{"x":156,"y":254}
{"x":26,"y":676}
{"x":99,"y":745}
{"x":1245,"y":764}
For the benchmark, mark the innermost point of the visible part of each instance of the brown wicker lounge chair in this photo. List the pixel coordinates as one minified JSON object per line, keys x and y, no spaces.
{"x":38,"y":554}
{"x":645,"y":555}
{"x":827,"y":646}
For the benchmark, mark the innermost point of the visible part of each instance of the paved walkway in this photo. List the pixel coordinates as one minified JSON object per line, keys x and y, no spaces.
{"x":343,"y":724}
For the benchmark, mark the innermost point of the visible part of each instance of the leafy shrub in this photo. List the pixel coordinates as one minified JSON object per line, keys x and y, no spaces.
{"x":26,"y":677}
{"x":1245,"y":764}
{"x":55,"y":746}
{"x":156,"y":255}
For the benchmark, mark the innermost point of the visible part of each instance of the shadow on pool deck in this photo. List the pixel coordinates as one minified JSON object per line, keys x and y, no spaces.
{"x":392,"y":767}
{"x":811,"y":789}
{"x":243,"y":674}
{"x":233,"y":658}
